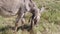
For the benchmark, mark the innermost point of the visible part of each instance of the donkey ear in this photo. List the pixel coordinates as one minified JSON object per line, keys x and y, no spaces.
{"x":42,"y":9}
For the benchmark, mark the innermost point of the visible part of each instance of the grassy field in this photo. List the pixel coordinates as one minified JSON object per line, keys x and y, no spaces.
{"x":49,"y":22}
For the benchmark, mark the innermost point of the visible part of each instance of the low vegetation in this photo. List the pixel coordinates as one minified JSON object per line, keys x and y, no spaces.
{"x":49,"y":22}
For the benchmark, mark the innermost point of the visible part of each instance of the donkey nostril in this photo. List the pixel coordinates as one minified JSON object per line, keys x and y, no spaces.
{"x":10,"y":11}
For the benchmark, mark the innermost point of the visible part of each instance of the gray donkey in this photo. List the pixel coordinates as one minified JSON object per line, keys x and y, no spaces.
{"x":20,"y":7}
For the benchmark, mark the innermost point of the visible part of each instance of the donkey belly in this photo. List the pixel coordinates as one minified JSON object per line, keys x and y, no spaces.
{"x":9,"y":7}
{"x":6,"y":14}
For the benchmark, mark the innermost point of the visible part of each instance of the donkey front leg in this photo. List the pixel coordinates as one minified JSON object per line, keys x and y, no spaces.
{"x":20,"y":18}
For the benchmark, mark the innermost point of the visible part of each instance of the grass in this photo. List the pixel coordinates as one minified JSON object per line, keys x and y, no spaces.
{"x":49,"y":22}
